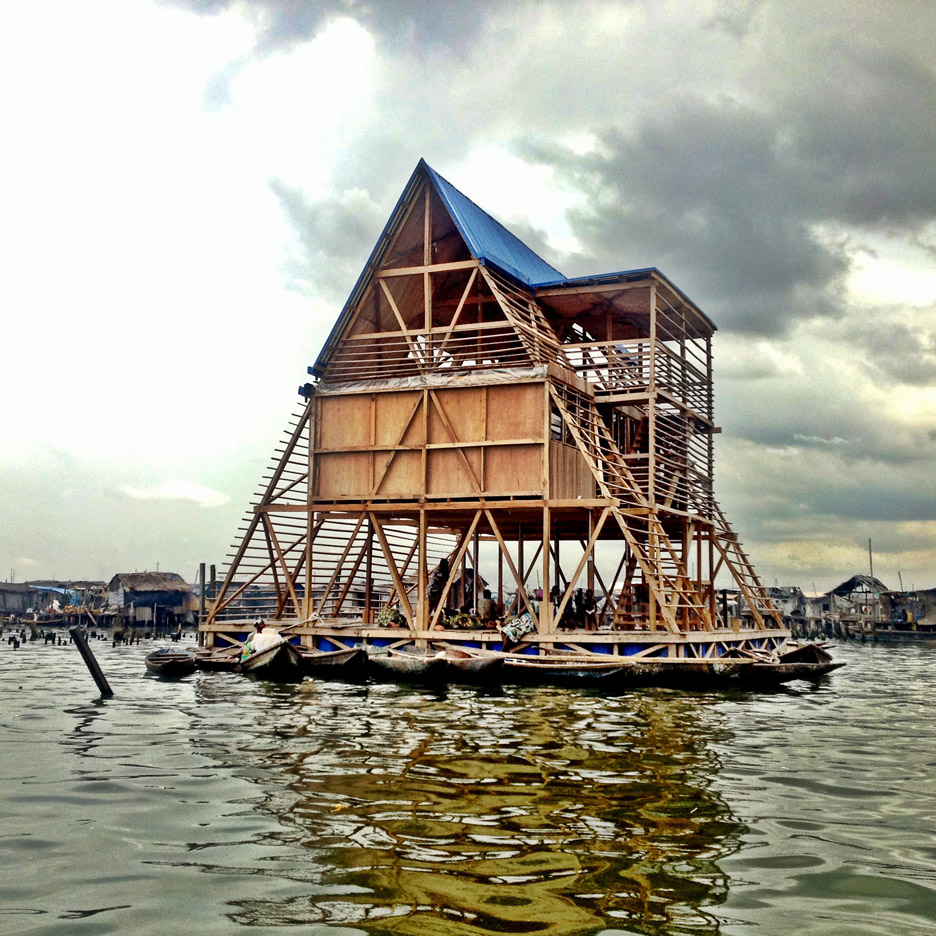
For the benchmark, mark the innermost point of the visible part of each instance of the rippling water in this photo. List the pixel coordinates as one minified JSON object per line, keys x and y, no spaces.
{"x":216,"y":803}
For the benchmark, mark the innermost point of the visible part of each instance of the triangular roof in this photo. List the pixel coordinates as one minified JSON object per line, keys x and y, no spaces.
{"x":486,"y":238}
{"x":489,"y":242}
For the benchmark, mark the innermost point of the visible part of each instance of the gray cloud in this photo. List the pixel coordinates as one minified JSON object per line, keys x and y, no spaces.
{"x":903,"y":353}
{"x":735,"y":200}
{"x":334,"y":238}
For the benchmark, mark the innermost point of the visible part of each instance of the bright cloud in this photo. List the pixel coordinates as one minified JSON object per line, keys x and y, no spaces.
{"x":179,"y":491}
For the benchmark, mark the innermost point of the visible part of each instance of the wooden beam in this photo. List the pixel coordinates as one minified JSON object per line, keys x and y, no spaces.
{"x":392,"y":569}
{"x":390,"y":272}
{"x":521,"y":587}
{"x":454,"y":571}
{"x":586,"y":555}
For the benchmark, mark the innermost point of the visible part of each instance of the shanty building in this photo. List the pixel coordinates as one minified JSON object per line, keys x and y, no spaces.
{"x":16,"y":598}
{"x":473,"y":404}
{"x":158,"y":599}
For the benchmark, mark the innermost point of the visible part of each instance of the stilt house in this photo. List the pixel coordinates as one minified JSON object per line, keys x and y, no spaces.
{"x":471,"y":403}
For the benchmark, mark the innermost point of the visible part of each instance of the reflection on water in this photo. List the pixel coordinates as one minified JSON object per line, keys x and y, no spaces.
{"x":217,"y":803}
{"x":530,"y":811}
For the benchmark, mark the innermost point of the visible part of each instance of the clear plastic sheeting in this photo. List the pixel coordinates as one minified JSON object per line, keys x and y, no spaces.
{"x":435,"y":379}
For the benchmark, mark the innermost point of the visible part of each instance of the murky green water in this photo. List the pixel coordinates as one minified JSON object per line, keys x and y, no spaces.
{"x":220,"y":805}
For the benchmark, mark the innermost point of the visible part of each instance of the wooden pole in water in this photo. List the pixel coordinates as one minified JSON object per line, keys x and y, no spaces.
{"x":82,"y":644}
{"x":201,"y":596}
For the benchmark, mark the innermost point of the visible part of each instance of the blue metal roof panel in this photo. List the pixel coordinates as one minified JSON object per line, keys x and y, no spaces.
{"x":597,"y":278}
{"x":489,"y":240}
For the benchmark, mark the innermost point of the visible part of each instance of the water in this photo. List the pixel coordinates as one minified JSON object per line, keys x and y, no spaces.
{"x":220,"y":805}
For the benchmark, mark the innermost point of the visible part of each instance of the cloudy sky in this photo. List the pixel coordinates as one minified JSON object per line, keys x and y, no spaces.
{"x":190,"y":188}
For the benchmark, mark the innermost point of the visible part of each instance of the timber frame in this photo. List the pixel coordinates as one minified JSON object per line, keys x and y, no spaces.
{"x":474,"y":405}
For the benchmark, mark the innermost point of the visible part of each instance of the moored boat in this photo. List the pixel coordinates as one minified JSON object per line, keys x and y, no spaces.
{"x":224,"y":659}
{"x":280,"y":660}
{"x":171,"y":662}
{"x":580,"y":669}
{"x":468,"y":664}
{"x":803,"y":661}
{"x":407,"y":663}
{"x":343,"y":663}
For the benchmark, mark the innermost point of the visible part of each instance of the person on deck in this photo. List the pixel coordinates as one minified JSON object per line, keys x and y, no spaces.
{"x":437,"y":582}
{"x":590,"y":608}
{"x":487,"y":609}
{"x":259,"y":639}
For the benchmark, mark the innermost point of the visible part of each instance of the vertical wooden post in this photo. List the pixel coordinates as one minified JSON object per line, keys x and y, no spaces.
{"x":201,"y":604}
{"x":475,"y":576}
{"x":652,"y":402}
{"x":500,"y":579}
{"x":201,"y":597}
{"x":591,"y":557}
{"x":711,"y":577}
{"x":369,"y":573}
{"x":422,"y":603}
{"x":307,"y":598}
{"x":520,"y":603}
{"x":545,"y":610}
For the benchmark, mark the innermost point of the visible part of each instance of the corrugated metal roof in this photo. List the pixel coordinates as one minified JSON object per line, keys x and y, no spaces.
{"x":488,"y":239}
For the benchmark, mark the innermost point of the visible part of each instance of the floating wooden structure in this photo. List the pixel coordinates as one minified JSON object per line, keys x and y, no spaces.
{"x":544,"y":434}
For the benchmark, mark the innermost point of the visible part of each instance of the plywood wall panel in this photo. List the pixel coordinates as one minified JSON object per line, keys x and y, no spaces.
{"x":393,"y":410}
{"x":345,"y":421}
{"x":403,"y":477}
{"x":464,"y":409}
{"x":347,"y":474}
{"x":513,"y":469}
{"x":515,"y":412}
{"x":570,"y":476}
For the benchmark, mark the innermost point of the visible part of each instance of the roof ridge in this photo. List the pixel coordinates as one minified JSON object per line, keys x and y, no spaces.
{"x":488,"y":239}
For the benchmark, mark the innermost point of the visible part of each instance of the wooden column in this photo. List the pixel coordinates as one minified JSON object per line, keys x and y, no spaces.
{"x":475,"y":575}
{"x":369,"y":573}
{"x":500,"y":579}
{"x":545,"y":610}
{"x":520,"y":603}
{"x":591,"y":558}
{"x":422,"y":602}
{"x":652,"y":402}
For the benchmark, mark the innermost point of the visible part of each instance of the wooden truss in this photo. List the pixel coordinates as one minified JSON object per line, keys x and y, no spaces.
{"x":561,"y":437}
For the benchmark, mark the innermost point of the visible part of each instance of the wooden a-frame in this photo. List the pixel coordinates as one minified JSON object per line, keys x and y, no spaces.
{"x":457,"y":407}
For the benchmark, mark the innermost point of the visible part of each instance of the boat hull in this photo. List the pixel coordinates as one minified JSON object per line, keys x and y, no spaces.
{"x":408,"y":667}
{"x":338,"y":663}
{"x":282,"y":661}
{"x":170,"y":663}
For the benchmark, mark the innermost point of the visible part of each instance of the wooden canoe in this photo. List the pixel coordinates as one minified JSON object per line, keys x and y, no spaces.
{"x":473,"y":664}
{"x":413,"y":665}
{"x":171,"y":662}
{"x":767,"y":673}
{"x":279,"y":661}
{"x":562,"y":669}
{"x":225,"y":659}
{"x":797,"y":661}
{"x":332,"y":662}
